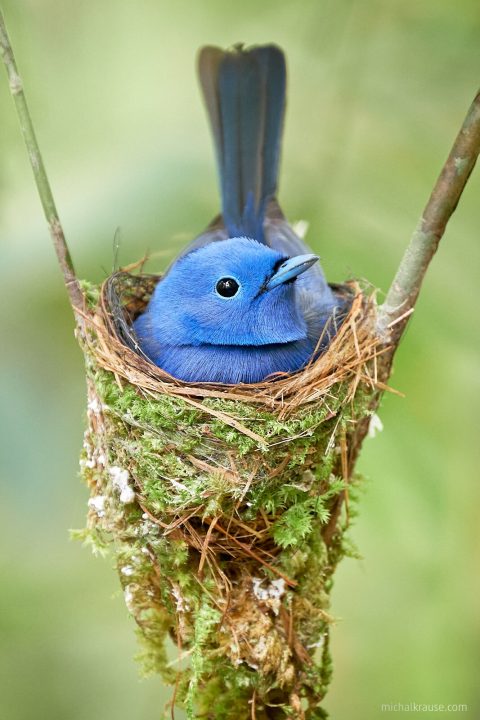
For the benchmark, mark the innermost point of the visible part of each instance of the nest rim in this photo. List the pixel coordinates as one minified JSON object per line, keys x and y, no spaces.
{"x":113,"y":344}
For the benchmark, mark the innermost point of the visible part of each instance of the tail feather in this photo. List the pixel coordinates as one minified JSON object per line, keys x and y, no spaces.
{"x":208,"y":63}
{"x":244,"y":93}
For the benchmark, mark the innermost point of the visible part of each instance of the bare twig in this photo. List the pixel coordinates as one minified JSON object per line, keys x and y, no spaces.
{"x":16,"y":88}
{"x":401,"y":298}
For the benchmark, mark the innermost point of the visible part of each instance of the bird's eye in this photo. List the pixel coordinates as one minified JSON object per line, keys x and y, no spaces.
{"x":227,"y":287}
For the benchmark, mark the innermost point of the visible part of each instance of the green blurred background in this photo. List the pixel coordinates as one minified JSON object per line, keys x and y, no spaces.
{"x":377,"y":92}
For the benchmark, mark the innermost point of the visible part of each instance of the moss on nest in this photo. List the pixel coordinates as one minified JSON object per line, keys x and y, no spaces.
{"x":216,"y":508}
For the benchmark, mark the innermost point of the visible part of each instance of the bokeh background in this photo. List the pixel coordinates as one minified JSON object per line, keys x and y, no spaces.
{"x":377,"y":92}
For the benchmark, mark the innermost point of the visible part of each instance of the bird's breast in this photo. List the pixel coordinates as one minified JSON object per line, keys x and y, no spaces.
{"x":232,"y":364}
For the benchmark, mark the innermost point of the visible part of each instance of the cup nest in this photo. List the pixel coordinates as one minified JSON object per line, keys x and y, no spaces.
{"x":221,"y":504}
{"x":124,"y":296}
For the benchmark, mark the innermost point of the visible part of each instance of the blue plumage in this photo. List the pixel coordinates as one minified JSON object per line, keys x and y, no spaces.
{"x":246,"y":299}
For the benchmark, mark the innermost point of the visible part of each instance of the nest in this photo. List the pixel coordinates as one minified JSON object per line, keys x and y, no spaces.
{"x":222,"y":506}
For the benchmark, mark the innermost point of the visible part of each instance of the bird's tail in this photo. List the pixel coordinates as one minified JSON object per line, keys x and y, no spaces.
{"x":244,"y":92}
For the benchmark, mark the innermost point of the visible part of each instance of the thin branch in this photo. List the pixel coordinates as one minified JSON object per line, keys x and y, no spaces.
{"x":402,"y":296}
{"x":41,"y":179}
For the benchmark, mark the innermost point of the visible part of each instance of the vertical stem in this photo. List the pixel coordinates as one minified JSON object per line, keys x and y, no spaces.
{"x":402,"y":295}
{"x":43,"y":186}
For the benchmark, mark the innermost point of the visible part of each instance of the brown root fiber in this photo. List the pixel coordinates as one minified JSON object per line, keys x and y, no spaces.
{"x":222,"y":505}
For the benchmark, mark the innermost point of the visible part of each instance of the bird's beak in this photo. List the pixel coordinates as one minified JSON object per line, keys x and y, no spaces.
{"x":290,"y":269}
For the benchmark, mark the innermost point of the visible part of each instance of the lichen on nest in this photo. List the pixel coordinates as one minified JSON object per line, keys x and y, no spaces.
{"x":221,"y":505}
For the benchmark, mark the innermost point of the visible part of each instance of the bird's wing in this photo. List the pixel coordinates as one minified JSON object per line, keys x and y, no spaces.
{"x":280,"y":236}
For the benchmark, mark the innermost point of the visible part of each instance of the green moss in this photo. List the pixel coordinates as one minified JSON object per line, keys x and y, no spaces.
{"x":206,"y":621}
{"x":91,"y":293}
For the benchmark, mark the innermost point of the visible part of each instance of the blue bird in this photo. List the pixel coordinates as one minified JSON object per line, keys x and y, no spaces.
{"x":247,"y":298}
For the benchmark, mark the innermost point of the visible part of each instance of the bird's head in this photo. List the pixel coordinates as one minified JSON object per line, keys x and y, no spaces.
{"x":231,"y":292}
